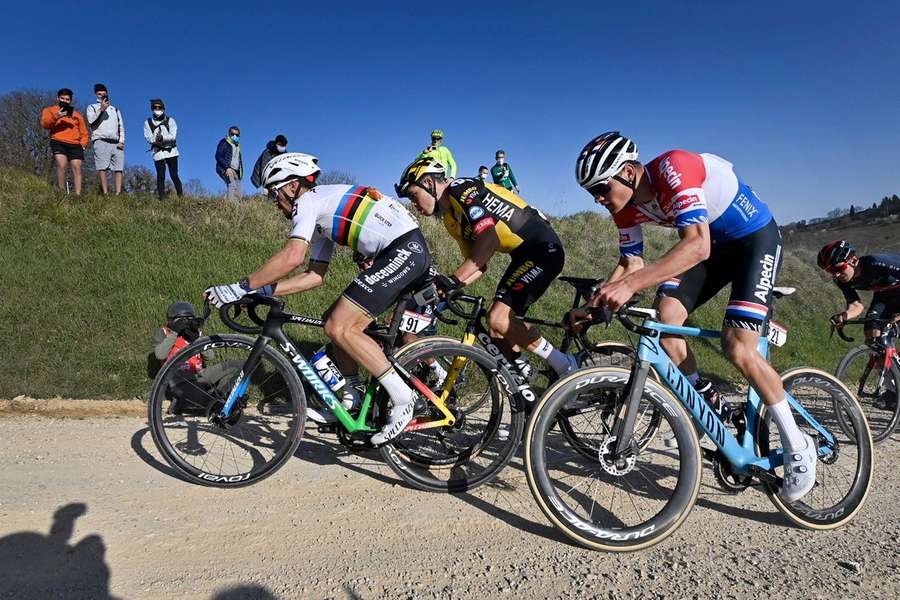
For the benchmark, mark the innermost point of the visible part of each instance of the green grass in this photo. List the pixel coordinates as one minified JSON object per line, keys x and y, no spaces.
{"x":87,"y":280}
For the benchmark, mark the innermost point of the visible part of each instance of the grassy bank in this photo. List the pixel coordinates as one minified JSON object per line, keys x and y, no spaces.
{"x":87,"y":280}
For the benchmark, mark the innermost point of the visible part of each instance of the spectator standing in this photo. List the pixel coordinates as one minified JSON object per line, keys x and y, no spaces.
{"x":229,"y":164}
{"x":502,"y":173}
{"x":483,"y":173}
{"x":68,"y":137}
{"x":273,"y":149}
{"x":108,"y":136}
{"x":161,"y":131}
{"x":440,"y":153}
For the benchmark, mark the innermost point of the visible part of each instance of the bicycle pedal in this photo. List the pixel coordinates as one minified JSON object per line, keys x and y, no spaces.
{"x":327,"y":428}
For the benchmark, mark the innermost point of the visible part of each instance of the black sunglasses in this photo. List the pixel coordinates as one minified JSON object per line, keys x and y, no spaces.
{"x":599,"y":189}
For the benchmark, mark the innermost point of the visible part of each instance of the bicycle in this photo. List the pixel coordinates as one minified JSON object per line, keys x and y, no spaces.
{"x":873,"y":371}
{"x":587,"y":351}
{"x":644,"y":495}
{"x":246,"y":427}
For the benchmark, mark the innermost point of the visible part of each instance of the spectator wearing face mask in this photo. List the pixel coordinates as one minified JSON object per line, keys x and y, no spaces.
{"x":502,"y":173}
{"x":108,"y":136}
{"x":68,"y":137}
{"x":229,"y":163}
{"x":160,"y":131}
{"x":273,"y":149}
{"x":483,"y":173}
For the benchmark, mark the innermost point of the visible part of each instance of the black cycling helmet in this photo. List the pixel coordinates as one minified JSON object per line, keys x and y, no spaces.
{"x":178,"y":312}
{"x":834,"y":253}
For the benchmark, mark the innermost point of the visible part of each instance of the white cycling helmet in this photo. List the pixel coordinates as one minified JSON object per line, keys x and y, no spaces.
{"x":603,"y":157}
{"x":287,"y":166}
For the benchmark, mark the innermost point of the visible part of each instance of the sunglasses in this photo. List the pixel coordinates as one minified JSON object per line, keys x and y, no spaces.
{"x":835,"y":270}
{"x":157,"y":107}
{"x":599,"y":189}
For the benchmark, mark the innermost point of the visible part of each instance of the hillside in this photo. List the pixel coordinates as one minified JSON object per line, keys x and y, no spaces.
{"x":87,"y":280}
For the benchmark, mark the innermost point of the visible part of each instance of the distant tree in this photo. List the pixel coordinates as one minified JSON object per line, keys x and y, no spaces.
{"x":333,"y":177}
{"x":139,"y":180}
{"x":874,"y":206}
{"x":194,"y":187}
{"x":852,"y":210}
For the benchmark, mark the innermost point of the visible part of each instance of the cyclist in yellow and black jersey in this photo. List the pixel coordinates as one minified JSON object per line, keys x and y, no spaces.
{"x":485,"y":219}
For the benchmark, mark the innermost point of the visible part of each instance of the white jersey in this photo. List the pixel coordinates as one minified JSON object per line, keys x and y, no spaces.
{"x":355,"y":216}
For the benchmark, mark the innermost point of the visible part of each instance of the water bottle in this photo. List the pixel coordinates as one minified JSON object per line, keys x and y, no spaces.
{"x":327,"y":370}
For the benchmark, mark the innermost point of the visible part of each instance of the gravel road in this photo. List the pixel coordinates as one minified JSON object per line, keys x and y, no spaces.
{"x":87,"y":510}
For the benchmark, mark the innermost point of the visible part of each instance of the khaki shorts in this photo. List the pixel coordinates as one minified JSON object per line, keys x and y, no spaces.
{"x":107,"y":157}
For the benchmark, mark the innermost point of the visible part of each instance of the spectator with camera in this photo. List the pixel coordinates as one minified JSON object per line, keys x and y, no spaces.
{"x":161,"y":131}
{"x":108,"y":137}
{"x":68,"y":137}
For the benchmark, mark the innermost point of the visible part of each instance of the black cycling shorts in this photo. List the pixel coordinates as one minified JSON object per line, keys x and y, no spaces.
{"x":70,"y":151}
{"x":404,"y":266}
{"x":884,"y":306}
{"x":532,"y":268}
{"x":750,"y":264}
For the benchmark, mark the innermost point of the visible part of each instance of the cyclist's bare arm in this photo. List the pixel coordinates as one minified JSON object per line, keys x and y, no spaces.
{"x":291,"y":256}
{"x":480,"y":253}
{"x":312,"y":278}
{"x":854,"y":309}
{"x":691,"y":249}
{"x":626,"y":266}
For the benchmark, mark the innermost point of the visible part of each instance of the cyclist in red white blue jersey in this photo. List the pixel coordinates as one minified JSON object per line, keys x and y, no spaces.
{"x":727,"y":236}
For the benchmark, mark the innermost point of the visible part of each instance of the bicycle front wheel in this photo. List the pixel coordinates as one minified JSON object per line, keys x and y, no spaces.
{"x":844,"y":470}
{"x":488,"y":421}
{"x":877,"y":385}
{"x":254,"y":440}
{"x":612,"y":503}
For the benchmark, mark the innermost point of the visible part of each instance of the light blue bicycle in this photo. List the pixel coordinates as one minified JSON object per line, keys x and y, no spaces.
{"x":630,"y":496}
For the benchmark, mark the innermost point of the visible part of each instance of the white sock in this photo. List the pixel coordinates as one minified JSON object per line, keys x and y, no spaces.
{"x":791,"y":436}
{"x":694,"y":377}
{"x":439,"y":371}
{"x":557,"y":360}
{"x":399,"y":392}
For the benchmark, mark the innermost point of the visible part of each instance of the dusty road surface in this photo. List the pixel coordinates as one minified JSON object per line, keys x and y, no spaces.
{"x":88,"y":511}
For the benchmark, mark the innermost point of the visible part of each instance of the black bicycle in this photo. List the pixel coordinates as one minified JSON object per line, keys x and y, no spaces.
{"x":873,"y":372}
{"x":240,"y":417}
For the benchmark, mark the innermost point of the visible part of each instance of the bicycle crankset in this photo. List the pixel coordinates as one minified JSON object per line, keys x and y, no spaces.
{"x":727,"y":479}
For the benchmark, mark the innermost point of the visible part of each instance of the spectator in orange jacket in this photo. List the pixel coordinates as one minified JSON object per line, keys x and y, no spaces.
{"x":68,"y":137}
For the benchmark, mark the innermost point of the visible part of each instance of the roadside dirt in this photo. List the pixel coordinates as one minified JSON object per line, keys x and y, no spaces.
{"x":87,"y":510}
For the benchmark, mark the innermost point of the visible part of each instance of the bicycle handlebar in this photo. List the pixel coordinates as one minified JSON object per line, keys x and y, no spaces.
{"x":839,"y":329}
{"x":251,"y":302}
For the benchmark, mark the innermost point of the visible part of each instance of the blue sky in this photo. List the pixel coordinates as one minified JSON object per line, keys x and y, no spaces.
{"x":804,"y":98}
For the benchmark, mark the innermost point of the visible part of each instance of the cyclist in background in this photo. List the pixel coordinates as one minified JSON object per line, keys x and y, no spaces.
{"x":728,"y":236}
{"x":372,"y":225}
{"x":879,"y":273}
{"x":485,"y":219}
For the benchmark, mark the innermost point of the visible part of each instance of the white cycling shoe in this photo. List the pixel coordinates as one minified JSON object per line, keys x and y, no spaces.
{"x":400,"y":416}
{"x":799,"y":471}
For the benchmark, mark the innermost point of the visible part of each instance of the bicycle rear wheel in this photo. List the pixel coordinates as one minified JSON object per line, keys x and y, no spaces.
{"x":262,"y":431}
{"x":608,"y":504}
{"x":843,"y":476}
{"x":488,"y":427}
{"x":877,"y":388}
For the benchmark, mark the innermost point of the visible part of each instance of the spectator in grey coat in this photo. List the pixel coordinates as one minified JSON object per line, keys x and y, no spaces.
{"x":273,"y":149}
{"x":108,"y":137}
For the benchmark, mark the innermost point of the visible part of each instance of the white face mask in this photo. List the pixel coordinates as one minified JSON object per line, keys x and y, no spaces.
{"x":501,"y":160}
{"x":157,"y":113}
{"x":281,"y":148}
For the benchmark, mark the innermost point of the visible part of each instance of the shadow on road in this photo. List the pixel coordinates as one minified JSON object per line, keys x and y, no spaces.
{"x":142,"y":453}
{"x":35,"y":565}
{"x":245,"y":592}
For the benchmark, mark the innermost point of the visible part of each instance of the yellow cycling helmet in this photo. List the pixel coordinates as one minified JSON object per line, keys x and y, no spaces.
{"x":437,"y":133}
{"x":416,"y":171}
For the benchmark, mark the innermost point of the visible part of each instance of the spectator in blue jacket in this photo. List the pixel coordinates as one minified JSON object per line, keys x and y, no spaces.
{"x":229,"y":164}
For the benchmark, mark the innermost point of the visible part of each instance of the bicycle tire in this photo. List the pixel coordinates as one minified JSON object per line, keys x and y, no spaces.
{"x":683,"y":459}
{"x":649,"y":418}
{"x":882,"y":423}
{"x":252,"y":423}
{"x":467,"y":461}
{"x":836,"y":398}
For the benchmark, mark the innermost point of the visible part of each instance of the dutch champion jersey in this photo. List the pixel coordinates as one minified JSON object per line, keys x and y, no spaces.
{"x":355,"y":216}
{"x":692,"y":188}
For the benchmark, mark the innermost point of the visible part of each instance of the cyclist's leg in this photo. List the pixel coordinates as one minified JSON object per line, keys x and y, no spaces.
{"x":403,"y":265}
{"x":877,"y":310}
{"x":531,"y":271}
